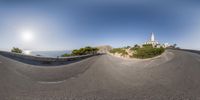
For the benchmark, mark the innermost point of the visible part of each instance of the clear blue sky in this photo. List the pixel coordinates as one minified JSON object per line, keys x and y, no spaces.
{"x":62,"y":24}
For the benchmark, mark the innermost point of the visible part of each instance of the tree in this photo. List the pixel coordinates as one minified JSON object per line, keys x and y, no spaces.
{"x":127,"y":47}
{"x":174,"y":46}
{"x":85,"y":51}
{"x":75,"y":52}
{"x":95,"y":50}
{"x":66,"y":55}
{"x":16,"y":50}
{"x":136,"y":46}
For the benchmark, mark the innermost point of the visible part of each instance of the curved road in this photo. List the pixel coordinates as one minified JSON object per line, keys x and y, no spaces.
{"x":175,"y":75}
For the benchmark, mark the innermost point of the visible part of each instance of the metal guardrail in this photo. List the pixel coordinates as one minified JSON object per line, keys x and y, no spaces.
{"x":44,"y":59}
{"x":193,"y":51}
{"x":189,"y":50}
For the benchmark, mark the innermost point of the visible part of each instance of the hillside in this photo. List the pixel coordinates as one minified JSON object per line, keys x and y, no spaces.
{"x":104,"y":48}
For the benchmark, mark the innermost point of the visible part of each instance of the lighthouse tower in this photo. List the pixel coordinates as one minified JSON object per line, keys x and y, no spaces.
{"x":152,"y":37}
{"x":152,"y":40}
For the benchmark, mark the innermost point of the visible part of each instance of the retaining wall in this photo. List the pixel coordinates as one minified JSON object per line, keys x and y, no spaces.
{"x":194,"y":51}
{"x":44,"y":59}
{"x":189,"y":50}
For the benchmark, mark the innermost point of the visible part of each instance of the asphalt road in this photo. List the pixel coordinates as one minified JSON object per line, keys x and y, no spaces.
{"x":175,"y":75}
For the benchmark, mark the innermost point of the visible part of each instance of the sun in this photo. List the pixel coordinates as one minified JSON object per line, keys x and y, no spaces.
{"x":27,"y":52}
{"x":27,"y":35}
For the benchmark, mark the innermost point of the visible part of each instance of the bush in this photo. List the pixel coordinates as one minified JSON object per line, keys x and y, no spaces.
{"x":148,"y":52}
{"x":82,"y":51}
{"x":127,"y":47}
{"x":66,"y":55}
{"x":116,"y":50}
{"x":75,"y":52}
{"x":124,"y":53}
{"x":147,"y":46}
{"x":136,"y":47}
{"x":16,"y":50}
{"x":119,"y":50}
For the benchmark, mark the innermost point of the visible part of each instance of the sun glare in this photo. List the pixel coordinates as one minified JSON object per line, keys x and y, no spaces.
{"x":27,"y":36}
{"x":27,"y":52}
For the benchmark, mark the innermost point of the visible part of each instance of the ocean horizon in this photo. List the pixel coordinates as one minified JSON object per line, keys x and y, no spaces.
{"x":49,"y":53}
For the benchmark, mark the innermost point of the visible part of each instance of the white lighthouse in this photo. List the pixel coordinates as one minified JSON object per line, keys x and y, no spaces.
{"x":152,"y":37}
{"x":152,"y":40}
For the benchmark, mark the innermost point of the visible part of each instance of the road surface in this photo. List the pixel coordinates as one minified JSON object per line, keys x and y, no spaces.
{"x":175,"y":75}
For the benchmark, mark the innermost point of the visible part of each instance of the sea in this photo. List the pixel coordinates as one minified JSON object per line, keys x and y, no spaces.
{"x":53,"y":54}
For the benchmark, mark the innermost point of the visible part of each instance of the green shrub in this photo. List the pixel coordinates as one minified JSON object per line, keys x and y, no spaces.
{"x":127,"y":47}
{"x":148,"y":52}
{"x":147,"y":46}
{"x":83,"y":51}
{"x":66,"y":55}
{"x":136,"y":47}
{"x":119,"y":50}
{"x":124,"y":53}
{"x":16,"y":50}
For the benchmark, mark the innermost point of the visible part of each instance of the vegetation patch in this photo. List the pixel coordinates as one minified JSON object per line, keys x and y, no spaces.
{"x":82,"y":51}
{"x":66,"y":55}
{"x":141,"y":52}
{"x":120,"y":51}
{"x":16,"y":50}
{"x":147,"y":51}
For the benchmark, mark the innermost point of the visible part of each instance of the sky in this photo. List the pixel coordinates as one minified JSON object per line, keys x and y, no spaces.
{"x":71,"y":24}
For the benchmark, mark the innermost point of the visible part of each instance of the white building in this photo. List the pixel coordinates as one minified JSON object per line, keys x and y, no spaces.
{"x":165,"y":45}
{"x":152,"y":40}
{"x":155,"y":43}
